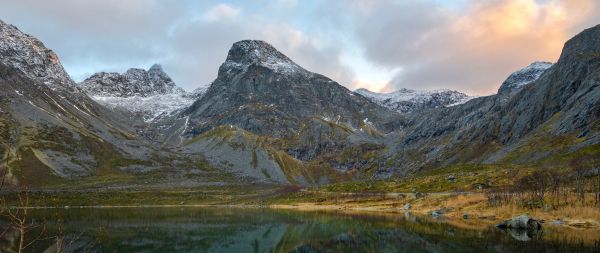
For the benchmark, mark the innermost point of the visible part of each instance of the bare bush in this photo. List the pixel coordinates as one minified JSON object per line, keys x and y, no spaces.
{"x":579,"y":172}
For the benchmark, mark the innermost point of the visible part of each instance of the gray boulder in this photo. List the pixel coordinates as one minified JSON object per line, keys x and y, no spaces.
{"x":523,"y":222}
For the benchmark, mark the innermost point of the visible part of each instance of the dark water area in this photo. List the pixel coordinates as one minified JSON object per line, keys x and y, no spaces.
{"x":195,"y":229}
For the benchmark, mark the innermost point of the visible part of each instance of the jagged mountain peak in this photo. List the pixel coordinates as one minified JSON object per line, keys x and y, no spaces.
{"x":150,"y":93}
{"x":524,"y":76}
{"x":134,"y":82}
{"x":245,"y":53}
{"x":251,"y":51}
{"x":29,"y":55}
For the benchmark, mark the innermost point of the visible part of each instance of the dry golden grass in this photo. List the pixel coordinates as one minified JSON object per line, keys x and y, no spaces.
{"x":455,"y":205}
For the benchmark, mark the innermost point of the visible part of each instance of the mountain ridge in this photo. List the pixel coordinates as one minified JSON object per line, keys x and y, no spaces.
{"x":408,"y":101}
{"x":133,"y":82}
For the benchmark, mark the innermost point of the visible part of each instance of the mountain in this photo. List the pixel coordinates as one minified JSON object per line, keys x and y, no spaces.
{"x":261,"y":90}
{"x":551,"y":121}
{"x":264,"y":112}
{"x":151,"y":94}
{"x":407,"y":101}
{"x":50,"y":128}
{"x":53,"y":134}
{"x":265,"y":119}
{"x":524,"y":76}
{"x":134,"y":82}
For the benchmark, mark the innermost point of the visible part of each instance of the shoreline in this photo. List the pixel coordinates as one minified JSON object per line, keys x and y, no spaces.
{"x":460,"y":207}
{"x":450,"y":218}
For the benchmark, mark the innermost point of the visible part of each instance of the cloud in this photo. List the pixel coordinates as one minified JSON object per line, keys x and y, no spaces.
{"x":96,"y":36}
{"x":221,"y":12}
{"x":466,"y":45}
{"x":474,"y":49}
{"x":199,"y":48}
{"x":191,"y":40}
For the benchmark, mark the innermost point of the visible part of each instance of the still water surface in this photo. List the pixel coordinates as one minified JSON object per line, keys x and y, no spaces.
{"x":195,"y":229}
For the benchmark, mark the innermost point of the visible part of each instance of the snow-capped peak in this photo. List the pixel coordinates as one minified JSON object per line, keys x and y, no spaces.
{"x":151,"y":94}
{"x":406,"y":100}
{"x":247,"y":52}
{"x":524,"y":76}
{"x":134,"y":82}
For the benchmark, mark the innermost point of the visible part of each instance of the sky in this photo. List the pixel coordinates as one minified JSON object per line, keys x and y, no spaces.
{"x":382,"y":45}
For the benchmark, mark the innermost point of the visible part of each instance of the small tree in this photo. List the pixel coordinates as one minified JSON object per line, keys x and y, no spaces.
{"x":556,"y":180}
{"x":579,"y":171}
{"x":19,"y":219}
{"x":540,"y":182}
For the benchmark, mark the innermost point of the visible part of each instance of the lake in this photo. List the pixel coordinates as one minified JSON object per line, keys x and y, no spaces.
{"x":207,"y":229}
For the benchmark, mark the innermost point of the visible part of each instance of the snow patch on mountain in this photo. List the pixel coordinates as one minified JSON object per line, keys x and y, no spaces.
{"x":524,"y":76}
{"x":247,"y":52}
{"x":407,"y":101}
{"x":151,"y":107}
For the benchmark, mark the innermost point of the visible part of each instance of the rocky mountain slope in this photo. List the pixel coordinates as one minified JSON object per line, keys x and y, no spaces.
{"x":47,"y":122}
{"x":549,"y":122}
{"x":407,"y":101}
{"x":264,"y":103}
{"x":257,"y":78}
{"x":52,"y":133}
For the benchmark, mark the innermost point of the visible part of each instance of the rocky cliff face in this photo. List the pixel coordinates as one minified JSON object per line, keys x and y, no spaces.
{"x":524,"y":76}
{"x":407,"y":101}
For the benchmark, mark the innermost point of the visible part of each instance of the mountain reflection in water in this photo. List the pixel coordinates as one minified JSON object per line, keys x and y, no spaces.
{"x":195,"y":229}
